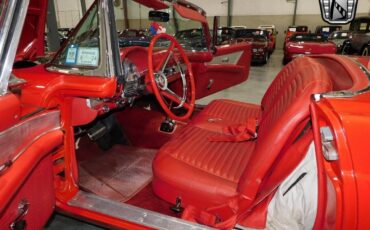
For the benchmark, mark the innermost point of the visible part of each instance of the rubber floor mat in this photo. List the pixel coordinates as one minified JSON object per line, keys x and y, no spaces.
{"x":117,"y":174}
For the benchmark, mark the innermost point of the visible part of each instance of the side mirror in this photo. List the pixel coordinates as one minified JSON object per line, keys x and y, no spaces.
{"x":284,"y":31}
{"x":159,"y":16}
{"x":215,"y":32}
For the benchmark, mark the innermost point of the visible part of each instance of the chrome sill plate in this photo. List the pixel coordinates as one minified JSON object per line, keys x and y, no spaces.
{"x":130,"y":213}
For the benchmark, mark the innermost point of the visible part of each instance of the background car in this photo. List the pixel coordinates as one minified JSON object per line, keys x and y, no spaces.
{"x":192,"y":39}
{"x":304,"y":44}
{"x":359,"y":42}
{"x":259,"y":40}
{"x":272,"y":35}
{"x":339,"y":37}
{"x":293,"y":30}
{"x":325,"y":31}
{"x":134,"y":37}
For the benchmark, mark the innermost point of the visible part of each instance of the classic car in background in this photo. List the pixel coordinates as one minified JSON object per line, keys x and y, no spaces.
{"x":272,"y":35}
{"x":84,"y":134}
{"x":339,"y":37}
{"x":301,"y":44}
{"x":192,"y":38}
{"x":134,"y":37}
{"x":225,"y":35}
{"x":293,"y":30}
{"x":359,"y":42}
{"x":261,"y":45}
{"x":325,"y":31}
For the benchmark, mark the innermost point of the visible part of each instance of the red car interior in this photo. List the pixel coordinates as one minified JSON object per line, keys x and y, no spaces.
{"x":214,"y":76}
{"x":93,"y":143}
{"x":208,"y":174}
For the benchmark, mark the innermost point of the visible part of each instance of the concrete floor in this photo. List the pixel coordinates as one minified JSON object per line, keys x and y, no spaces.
{"x":251,"y":91}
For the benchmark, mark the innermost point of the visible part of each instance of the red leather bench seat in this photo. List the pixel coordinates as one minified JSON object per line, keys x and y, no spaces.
{"x":222,"y":112}
{"x":200,"y":171}
{"x":205,"y":173}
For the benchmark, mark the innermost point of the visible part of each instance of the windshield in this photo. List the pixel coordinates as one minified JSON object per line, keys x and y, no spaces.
{"x":259,"y":35}
{"x":136,"y":29}
{"x":339,"y":35}
{"x":306,"y":38}
{"x":83,"y":48}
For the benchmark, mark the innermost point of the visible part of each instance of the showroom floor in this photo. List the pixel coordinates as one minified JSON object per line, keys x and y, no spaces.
{"x":252,"y":91}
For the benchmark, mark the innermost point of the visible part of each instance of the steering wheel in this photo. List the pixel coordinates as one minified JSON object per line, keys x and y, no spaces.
{"x":160,"y":82}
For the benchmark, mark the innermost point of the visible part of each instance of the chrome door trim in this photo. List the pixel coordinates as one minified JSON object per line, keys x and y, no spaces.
{"x":15,"y":140}
{"x":130,"y":213}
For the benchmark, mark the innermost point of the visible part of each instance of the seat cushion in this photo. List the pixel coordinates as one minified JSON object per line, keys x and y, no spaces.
{"x":197,"y":170}
{"x":206,"y":174}
{"x":221,"y":113}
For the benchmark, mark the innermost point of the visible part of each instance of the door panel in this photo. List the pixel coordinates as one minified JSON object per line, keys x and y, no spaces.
{"x":229,"y":66}
{"x":9,"y":113}
{"x":27,"y":194}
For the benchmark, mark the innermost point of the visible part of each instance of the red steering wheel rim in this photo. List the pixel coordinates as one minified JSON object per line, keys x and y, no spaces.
{"x":188,"y":105}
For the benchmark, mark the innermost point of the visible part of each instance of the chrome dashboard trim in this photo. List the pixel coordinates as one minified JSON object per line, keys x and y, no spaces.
{"x":15,"y":140}
{"x":130,"y":213}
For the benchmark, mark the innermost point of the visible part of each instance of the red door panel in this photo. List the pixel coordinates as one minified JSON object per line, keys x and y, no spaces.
{"x":9,"y":113}
{"x":229,"y":66}
{"x":27,"y":195}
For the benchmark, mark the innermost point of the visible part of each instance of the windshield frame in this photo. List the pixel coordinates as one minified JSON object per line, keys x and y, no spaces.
{"x":12,"y":25}
{"x":109,"y":63}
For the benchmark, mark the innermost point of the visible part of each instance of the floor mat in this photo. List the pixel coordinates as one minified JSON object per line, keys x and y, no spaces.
{"x":117,"y":174}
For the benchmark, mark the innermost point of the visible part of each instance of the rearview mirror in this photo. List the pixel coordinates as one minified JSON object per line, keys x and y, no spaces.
{"x":159,"y":16}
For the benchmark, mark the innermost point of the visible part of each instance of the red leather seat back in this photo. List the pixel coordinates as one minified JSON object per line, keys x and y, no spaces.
{"x":280,"y":82}
{"x":289,"y":109}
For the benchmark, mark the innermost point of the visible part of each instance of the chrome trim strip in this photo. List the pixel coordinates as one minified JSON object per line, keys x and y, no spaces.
{"x":130,"y":213}
{"x":231,"y":58}
{"x":15,"y":140}
{"x":9,"y":39}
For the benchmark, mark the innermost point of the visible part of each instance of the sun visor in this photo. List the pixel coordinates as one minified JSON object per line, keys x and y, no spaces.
{"x":190,"y":13}
{"x":155,"y":4}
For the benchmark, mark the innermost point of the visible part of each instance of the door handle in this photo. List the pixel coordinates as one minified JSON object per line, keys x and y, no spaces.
{"x":210,"y":83}
{"x":225,"y":59}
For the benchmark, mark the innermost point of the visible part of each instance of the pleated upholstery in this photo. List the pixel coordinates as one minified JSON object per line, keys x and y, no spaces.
{"x":205,"y":173}
{"x":220,"y":113}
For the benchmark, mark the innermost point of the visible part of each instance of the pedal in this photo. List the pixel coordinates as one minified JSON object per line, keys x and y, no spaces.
{"x":97,"y":131}
{"x":177,"y":207}
{"x":167,"y":126}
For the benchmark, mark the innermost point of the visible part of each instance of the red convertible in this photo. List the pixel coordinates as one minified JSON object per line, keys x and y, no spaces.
{"x":113,"y":136}
{"x":261,"y":45}
{"x":305,"y":44}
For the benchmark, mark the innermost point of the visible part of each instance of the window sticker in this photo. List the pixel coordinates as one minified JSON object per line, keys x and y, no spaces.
{"x":325,"y":29}
{"x":88,"y":56}
{"x":292,"y":29}
{"x":72,"y":55}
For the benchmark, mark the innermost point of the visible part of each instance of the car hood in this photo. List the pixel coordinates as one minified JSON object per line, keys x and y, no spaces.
{"x":31,"y":44}
{"x":312,"y":47}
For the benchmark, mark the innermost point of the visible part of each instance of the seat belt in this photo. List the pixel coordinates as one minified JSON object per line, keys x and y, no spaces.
{"x":238,"y":133}
{"x":227,"y":215}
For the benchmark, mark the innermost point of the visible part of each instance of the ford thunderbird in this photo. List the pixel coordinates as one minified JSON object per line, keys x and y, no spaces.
{"x":113,"y":136}
{"x":305,"y":44}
